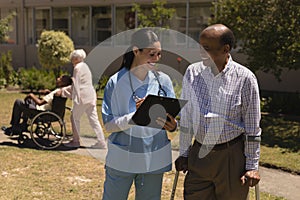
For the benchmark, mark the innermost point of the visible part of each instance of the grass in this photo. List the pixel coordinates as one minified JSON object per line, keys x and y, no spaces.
{"x":280,"y":140}
{"x":34,"y":174}
{"x":284,"y":159}
{"x":280,"y":132}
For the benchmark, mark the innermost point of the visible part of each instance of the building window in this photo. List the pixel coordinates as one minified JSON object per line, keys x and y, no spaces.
{"x":148,"y":11}
{"x":42,"y":21}
{"x":60,"y":20}
{"x":198,"y":19}
{"x":102,"y":24}
{"x":12,"y":34}
{"x":178,"y":22}
{"x":80,"y":28}
{"x":29,"y":26}
{"x":125,"y":19}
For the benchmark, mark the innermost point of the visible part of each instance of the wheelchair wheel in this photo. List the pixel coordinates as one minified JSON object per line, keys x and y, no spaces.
{"x":47,"y":130}
{"x":22,"y":139}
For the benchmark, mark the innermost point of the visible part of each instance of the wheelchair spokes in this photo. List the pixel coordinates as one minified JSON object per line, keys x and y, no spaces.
{"x":40,"y":130}
{"x":47,"y":130}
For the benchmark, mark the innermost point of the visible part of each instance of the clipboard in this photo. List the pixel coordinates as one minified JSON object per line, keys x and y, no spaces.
{"x":156,"y":106}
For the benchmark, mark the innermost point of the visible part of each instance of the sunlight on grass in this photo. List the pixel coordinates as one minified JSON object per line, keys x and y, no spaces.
{"x":7,"y":101}
{"x":35,"y":174}
{"x":32,"y":174}
{"x":286,"y":160}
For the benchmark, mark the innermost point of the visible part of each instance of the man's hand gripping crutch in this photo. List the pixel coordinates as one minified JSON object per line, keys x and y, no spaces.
{"x":181,"y":164}
{"x":252,"y":177}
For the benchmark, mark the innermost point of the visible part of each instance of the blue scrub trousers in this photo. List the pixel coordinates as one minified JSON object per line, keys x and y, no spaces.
{"x":117,"y":185}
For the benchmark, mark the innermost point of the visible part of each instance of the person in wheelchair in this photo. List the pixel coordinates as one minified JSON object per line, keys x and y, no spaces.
{"x":32,"y":103}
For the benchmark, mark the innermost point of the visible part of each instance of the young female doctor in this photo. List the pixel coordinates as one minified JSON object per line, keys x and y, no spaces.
{"x":136,"y":154}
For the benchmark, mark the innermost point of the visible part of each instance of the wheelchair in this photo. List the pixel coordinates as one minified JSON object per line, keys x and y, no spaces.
{"x":47,"y":128}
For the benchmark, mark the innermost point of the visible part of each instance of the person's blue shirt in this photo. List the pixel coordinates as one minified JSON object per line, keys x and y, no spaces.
{"x":132,"y":148}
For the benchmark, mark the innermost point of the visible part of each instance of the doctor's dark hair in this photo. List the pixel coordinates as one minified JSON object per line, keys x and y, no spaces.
{"x":141,"y":39}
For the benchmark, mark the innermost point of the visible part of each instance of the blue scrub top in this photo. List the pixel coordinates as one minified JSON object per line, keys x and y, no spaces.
{"x":133,"y":148}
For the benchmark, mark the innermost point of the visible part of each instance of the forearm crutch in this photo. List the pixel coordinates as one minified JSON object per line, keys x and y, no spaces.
{"x":257,"y":192}
{"x":174,"y":185}
{"x":254,"y":139}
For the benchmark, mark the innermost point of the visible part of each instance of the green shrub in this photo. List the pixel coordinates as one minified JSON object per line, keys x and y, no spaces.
{"x":102,"y":83}
{"x":14,"y":78}
{"x":6,"y":68}
{"x":54,"y":49}
{"x":2,"y":83}
{"x":5,"y":26}
{"x":36,"y":79}
{"x":177,"y":87}
{"x":280,"y":102}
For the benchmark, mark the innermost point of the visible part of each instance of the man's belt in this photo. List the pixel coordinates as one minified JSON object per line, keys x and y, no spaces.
{"x":222,"y":146}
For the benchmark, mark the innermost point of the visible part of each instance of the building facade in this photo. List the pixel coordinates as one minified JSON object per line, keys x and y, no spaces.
{"x":91,"y":22}
{"x":88,"y":22}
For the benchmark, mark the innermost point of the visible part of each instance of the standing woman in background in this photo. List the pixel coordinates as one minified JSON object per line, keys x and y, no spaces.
{"x":84,"y":99}
{"x":136,"y":154}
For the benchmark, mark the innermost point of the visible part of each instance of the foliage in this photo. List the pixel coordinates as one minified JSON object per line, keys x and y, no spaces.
{"x":54,"y":49}
{"x":6,"y":69}
{"x":36,"y":79}
{"x":280,"y":102}
{"x":158,"y":17}
{"x":268,"y":31}
{"x":14,"y":78}
{"x":177,"y":87}
{"x":102,"y":83}
{"x":5,"y":26}
{"x":3,"y":83}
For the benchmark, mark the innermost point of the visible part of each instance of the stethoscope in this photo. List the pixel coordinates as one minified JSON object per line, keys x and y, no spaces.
{"x":161,"y":91}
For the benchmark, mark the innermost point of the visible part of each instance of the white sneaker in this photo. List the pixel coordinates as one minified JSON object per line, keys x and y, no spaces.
{"x":99,"y":145}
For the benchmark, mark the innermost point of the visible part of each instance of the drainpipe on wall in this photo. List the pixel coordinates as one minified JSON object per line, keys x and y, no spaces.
{"x":22,"y":30}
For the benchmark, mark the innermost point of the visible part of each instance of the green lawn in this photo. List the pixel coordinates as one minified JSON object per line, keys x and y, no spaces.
{"x":280,"y":140}
{"x":50,"y":175}
{"x":35,"y":174}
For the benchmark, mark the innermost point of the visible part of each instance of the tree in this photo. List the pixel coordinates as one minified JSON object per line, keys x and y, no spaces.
{"x":158,"y":17}
{"x":5,"y":26}
{"x":267,"y":30}
{"x":54,"y":49}
{"x":6,"y":69}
